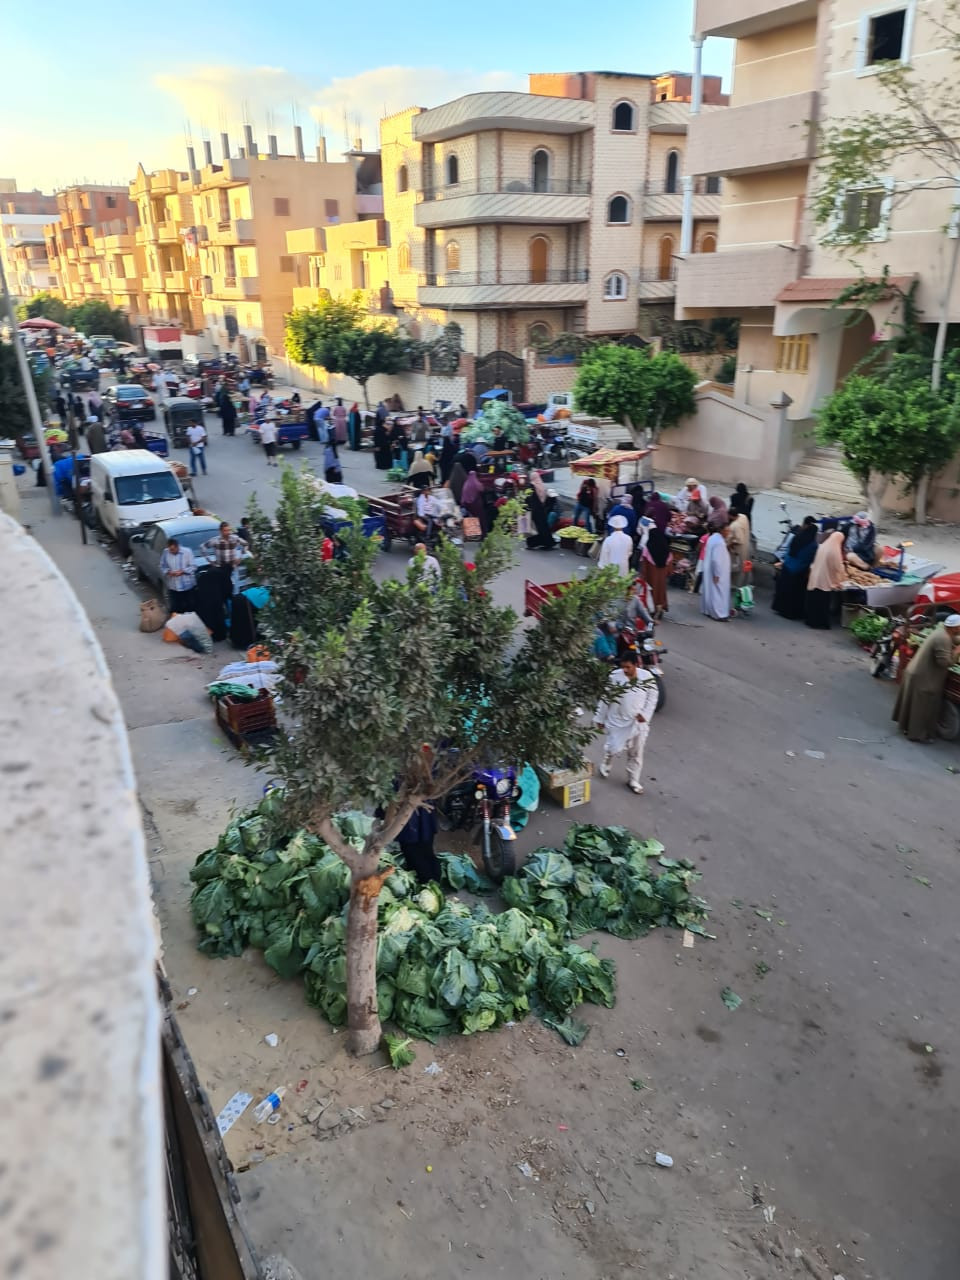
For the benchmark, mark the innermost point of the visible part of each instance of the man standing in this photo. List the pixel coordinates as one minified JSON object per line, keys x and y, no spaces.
{"x":617,"y":547}
{"x":429,"y":565}
{"x":917,"y":708}
{"x":268,"y":438}
{"x":627,"y":720}
{"x":179,"y":571}
{"x":226,"y":551}
{"x":197,"y":435}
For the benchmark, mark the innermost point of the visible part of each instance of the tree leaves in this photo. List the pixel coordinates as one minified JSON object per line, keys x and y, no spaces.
{"x":335,"y":334}
{"x":635,"y":388}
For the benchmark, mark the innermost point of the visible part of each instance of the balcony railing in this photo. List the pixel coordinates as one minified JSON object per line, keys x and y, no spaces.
{"x":433,"y":279}
{"x":699,"y":188}
{"x":648,"y":274}
{"x":508,"y":186}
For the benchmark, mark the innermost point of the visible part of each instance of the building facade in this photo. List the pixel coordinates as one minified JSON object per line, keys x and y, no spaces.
{"x":796,"y":64}
{"x":23,"y":215}
{"x":166,"y":241}
{"x":525,"y":216}
{"x":87,"y":213}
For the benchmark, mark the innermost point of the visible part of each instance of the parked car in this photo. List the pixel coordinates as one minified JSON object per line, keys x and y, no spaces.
{"x":147,"y":547}
{"x":131,"y":489}
{"x":130,"y":403}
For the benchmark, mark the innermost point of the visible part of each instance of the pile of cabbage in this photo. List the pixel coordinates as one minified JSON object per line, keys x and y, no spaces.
{"x":444,"y":965}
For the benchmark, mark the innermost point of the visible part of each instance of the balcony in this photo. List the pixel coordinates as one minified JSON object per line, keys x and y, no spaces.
{"x":653,"y":287}
{"x":306,"y":240}
{"x":123,"y":284}
{"x":660,"y":205}
{"x":230,"y":173}
{"x":227,"y":231}
{"x":168,"y":233}
{"x":234,"y":288}
{"x":510,"y":200}
{"x":176,"y":282}
{"x":775,"y":134}
{"x":530,"y":112}
{"x":469,"y":291}
{"x":369,"y":206}
{"x":734,"y":279}
{"x":736,"y":18}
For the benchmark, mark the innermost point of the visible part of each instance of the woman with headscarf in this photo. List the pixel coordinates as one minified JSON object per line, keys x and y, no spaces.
{"x":448,"y":452}
{"x":471,"y":499}
{"x":738,"y":544}
{"x":715,"y":592}
{"x":586,"y":503}
{"x":339,"y":416}
{"x":382,"y":455}
{"x":536,"y":498}
{"x":861,"y":544}
{"x":355,"y":427}
{"x":827,"y":575}
{"x":398,"y":444}
{"x":696,"y":512}
{"x":455,"y":481}
{"x":741,"y":502}
{"x":420,"y":474}
{"x":790,"y":590}
{"x":655,"y":559}
{"x":718,"y":517}
{"x":658,"y":511}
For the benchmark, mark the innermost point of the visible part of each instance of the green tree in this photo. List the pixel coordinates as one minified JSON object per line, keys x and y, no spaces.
{"x":14,"y":414}
{"x":894,"y":423}
{"x":46,"y":306}
{"x":335,"y":335}
{"x":644,"y":392}
{"x":394,"y":690}
{"x":96,"y":316}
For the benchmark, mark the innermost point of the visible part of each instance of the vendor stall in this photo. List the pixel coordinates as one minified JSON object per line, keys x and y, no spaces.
{"x":617,"y":466}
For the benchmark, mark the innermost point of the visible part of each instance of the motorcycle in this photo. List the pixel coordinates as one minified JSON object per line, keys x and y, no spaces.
{"x":483,"y":802}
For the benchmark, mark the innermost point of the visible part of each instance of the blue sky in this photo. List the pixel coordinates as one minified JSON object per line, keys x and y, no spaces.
{"x":92,"y":91}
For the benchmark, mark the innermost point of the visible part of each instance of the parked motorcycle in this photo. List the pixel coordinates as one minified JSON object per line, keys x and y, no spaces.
{"x":482,"y":803}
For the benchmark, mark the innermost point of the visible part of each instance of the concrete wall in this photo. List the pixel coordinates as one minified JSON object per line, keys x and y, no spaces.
{"x":414,"y":387}
{"x":726,"y":441}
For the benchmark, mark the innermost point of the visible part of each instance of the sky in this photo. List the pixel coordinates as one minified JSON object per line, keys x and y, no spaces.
{"x":91,"y":91}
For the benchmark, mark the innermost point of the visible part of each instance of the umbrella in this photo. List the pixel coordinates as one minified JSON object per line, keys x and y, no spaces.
{"x":38,"y":322}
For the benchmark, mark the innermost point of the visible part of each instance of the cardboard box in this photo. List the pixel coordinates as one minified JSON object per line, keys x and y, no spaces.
{"x":567,"y":787}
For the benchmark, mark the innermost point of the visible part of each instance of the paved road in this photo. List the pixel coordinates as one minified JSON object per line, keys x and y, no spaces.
{"x":821,"y":1083}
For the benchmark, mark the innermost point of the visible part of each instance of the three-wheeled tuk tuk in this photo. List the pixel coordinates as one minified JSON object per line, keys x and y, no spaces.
{"x":180,"y":414}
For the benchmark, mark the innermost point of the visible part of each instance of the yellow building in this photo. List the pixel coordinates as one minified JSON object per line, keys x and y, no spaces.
{"x":526,"y":215}
{"x":340,"y":260}
{"x":166,"y":246}
{"x":86,"y":213}
{"x":243,"y":209}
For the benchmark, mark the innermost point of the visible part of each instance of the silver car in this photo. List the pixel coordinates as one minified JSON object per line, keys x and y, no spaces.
{"x":190,"y":531}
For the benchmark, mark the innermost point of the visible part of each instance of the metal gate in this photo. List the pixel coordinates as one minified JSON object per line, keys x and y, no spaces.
{"x":501,"y":369}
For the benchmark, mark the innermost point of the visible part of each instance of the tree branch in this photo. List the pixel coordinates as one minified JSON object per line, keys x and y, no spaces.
{"x":325,"y":827}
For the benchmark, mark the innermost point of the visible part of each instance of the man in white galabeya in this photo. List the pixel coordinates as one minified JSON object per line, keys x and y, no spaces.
{"x":627,"y":720}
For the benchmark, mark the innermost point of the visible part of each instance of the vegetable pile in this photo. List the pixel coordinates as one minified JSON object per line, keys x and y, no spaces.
{"x":443,"y":966}
{"x":867,"y":628}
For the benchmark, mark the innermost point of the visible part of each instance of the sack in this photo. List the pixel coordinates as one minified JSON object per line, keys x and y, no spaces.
{"x":152,"y":616}
{"x":471,"y":529}
{"x":178,"y":623}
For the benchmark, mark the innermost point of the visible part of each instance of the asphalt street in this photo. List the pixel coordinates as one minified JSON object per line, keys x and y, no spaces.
{"x":829,"y":851}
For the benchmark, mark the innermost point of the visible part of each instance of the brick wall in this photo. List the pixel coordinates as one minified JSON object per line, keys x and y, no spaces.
{"x":397,"y":148}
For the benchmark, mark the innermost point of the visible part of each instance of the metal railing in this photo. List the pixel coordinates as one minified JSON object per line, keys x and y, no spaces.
{"x":647,"y":275}
{"x":659,"y":188}
{"x":449,"y":279}
{"x":508,"y":186}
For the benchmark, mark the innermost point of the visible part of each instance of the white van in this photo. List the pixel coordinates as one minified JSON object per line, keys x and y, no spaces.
{"x":131,"y":488}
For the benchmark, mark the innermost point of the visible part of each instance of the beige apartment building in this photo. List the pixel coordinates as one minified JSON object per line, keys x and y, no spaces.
{"x":88,"y":214}
{"x":166,"y":244}
{"x":523,"y":216}
{"x":798,"y":62}
{"x":243,"y":210}
{"x":23,"y":215}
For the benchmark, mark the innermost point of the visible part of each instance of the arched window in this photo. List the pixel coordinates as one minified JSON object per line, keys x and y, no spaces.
{"x":541,"y":170}
{"x":539,"y":259}
{"x":403,"y":178}
{"x":618,"y":210}
{"x":713,"y":184}
{"x":709,"y":243}
{"x":537,"y":333}
{"x":453,"y":255}
{"x":672,"y":173}
{"x":615,"y":285}
{"x":453,"y":171}
{"x":624,"y":115}
{"x":403,"y":257}
{"x":665,"y":258}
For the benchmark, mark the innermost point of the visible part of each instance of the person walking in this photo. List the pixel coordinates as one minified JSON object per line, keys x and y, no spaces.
{"x":228,"y":413}
{"x":617,"y":547}
{"x":715,"y":592}
{"x":268,"y":438}
{"x":197,"y":435}
{"x":339,"y":416}
{"x":917,"y":708}
{"x":655,"y":562}
{"x":586,"y":504}
{"x":355,"y":428}
{"x":179,"y":569}
{"x":626,"y":720}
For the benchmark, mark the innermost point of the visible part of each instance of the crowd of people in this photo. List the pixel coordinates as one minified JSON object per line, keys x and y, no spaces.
{"x":815,"y":567}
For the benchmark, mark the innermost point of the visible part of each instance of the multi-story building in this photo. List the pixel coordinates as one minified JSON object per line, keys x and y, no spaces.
{"x":798,"y":62}
{"x":166,"y":242}
{"x":342,"y":259}
{"x":23,"y":215}
{"x":523,"y":216}
{"x":85,"y":213}
{"x":243,"y":209}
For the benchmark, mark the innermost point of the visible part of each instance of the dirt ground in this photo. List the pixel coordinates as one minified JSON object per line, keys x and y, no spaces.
{"x":812,"y":1129}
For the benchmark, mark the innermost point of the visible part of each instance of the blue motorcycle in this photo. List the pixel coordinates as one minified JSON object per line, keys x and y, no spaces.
{"x":483,"y":802}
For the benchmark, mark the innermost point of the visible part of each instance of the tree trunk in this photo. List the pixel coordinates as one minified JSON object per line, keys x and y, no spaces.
{"x":366,"y":398}
{"x":363,"y":1022}
{"x":876,"y":485}
{"x":638,"y":436}
{"x":920,"y":502}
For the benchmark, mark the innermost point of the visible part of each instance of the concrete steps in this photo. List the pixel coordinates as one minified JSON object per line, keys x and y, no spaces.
{"x":822,"y":474}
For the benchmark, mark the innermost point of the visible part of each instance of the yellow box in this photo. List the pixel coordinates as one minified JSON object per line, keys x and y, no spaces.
{"x":567,"y":787}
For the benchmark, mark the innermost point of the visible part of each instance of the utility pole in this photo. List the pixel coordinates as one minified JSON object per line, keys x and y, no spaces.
{"x":944,"y":321}
{"x":28,"y":390}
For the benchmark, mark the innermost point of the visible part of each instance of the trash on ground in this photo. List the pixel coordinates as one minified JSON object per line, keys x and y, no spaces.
{"x":768,"y":1211}
{"x":232,"y":1111}
{"x":730,"y":998}
{"x":688,"y":939}
{"x":638,"y":1084}
{"x":401,"y":1054}
{"x":265,"y":1109}
{"x":791,"y":754}
{"x":664,"y":1161}
{"x":764,"y":915}
{"x":272,"y":1040}
{"x":590,"y":1207}
{"x":192,"y":991}
{"x":922,"y":880}
{"x":528,"y":1171}
{"x":816,"y":755}
{"x":433,"y":1069}
{"x":621,"y":1053}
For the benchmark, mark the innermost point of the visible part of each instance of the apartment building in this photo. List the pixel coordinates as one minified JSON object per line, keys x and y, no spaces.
{"x":166,"y":245}
{"x":523,"y":216}
{"x":243,"y":209}
{"x":798,"y":62}
{"x":343,"y":259}
{"x":85,"y":213}
{"x":23,"y":215}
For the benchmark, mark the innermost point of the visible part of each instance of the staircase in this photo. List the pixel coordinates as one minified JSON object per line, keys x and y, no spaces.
{"x":822,"y":474}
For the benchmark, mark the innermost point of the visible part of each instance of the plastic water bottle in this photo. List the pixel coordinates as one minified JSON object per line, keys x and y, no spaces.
{"x":269,"y":1105}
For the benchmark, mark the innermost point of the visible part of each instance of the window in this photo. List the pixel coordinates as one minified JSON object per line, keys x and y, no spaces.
{"x":709,"y":243}
{"x":538,"y":333}
{"x":286,"y":262}
{"x":672,"y":172}
{"x":453,"y":171}
{"x":111,"y":202}
{"x":884,"y":37}
{"x":332,"y":210}
{"x":615,"y":286}
{"x":624,"y":115}
{"x":281,"y":207}
{"x":713,"y":185}
{"x":209,"y":206}
{"x":403,"y":257}
{"x":618,"y":210}
{"x":541,"y":170}
{"x":793,"y":354}
{"x":453,"y":256}
{"x":665,"y":258}
{"x":403,"y":178}
{"x":338,"y":271}
{"x":238,"y":208}
{"x":865,"y":211}
{"x":243,"y":264}
{"x":539,"y":259}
